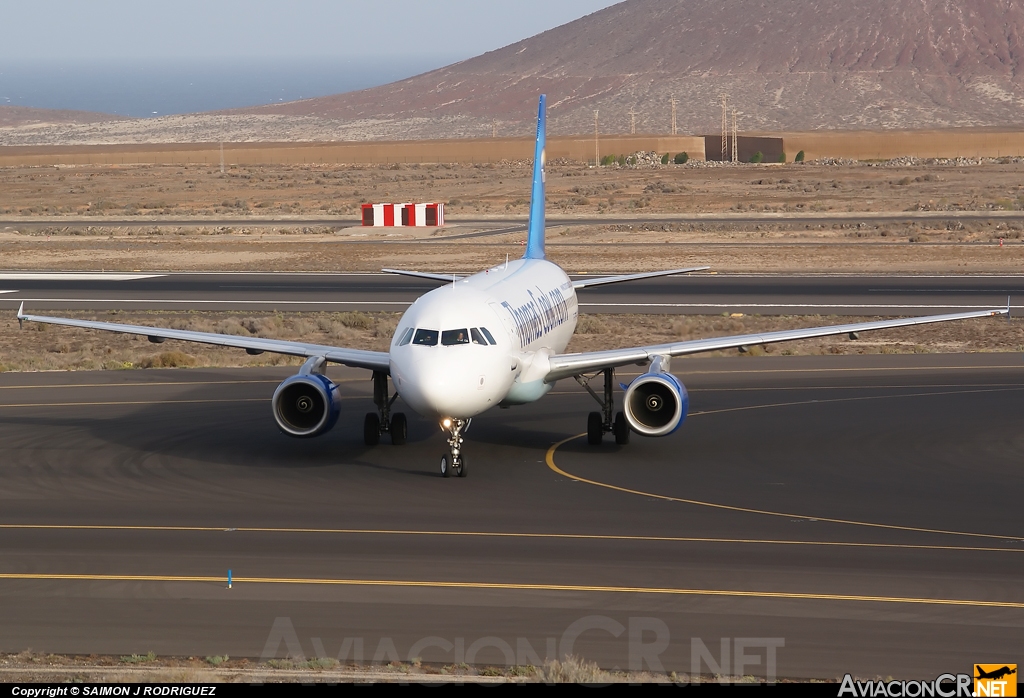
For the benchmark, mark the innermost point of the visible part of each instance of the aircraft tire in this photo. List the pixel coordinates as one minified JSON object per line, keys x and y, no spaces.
{"x":399,"y":429}
{"x":371,"y":429}
{"x":621,"y":429}
{"x":460,"y":469}
{"x":595,"y":429}
{"x":446,"y":470}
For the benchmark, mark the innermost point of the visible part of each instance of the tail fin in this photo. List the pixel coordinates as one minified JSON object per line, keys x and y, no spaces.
{"x":535,"y":233}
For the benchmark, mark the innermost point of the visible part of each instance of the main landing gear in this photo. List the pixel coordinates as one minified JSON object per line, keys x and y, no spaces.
{"x":600,"y":423}
{"x":454,"y":462}
{"x":382,"y":421}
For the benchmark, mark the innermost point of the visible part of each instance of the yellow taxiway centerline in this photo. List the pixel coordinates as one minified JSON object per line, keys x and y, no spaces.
{"x":507,"y":586}
{"x":550,"y":460}
{"x":500,"y":534}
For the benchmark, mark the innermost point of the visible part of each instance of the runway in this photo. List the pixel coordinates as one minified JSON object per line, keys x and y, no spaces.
{"x":838,"y":514}
{"x":702,"y":293}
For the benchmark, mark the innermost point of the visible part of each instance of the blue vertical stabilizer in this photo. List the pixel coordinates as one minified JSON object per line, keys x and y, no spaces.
{"x":535,"y":233}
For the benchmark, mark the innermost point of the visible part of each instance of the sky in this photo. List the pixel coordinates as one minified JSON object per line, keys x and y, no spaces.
{"x":190,"y":30}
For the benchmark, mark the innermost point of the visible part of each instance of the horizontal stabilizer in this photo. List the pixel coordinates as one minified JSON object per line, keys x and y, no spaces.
{"x":424,"y":275}
{"x":601,"y":280}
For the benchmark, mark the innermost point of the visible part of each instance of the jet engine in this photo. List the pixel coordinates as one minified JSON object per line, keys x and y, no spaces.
{"x":656,"y":403}
{"x":306,"y":405}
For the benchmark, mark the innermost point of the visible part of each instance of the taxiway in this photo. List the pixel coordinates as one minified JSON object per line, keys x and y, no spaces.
{"x":857,"y":513}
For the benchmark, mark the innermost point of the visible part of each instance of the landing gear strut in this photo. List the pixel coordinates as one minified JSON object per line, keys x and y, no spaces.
{"x":383,"y":421}
{"x":600,"y":423}
{"x":454,"y":462}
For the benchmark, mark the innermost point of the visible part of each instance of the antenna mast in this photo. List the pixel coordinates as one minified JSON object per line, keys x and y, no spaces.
{"x":597,"y":148}
{"x":632,"y":120}
{"x":674,"y":103}
{"x":725,"y":127}
{"x":735,"y":139}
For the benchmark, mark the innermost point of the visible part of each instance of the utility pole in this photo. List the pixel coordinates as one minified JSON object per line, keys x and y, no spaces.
{"x":632,"y":120}
{"x":725,"y":128}
{"x":494,"y":128}
{"x":674,"y":103}
{"x":735,"y":139}
{"x":597,"y":147}
{"x":222,"y":157}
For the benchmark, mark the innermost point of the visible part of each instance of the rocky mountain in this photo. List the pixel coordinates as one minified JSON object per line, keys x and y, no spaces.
{"x":785,"y":65}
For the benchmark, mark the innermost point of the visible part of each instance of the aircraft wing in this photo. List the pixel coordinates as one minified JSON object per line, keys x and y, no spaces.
{"x":602,"y":280}
{"x":566,"y":365}
{"x":358,"y":358}
{"x":424,"y":275}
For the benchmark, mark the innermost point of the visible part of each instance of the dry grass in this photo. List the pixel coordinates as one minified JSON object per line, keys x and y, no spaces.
{"x":283,"y":191}
{"x":501,"y":189}
{"x":31,"y":667}
{"x":47,"y":347}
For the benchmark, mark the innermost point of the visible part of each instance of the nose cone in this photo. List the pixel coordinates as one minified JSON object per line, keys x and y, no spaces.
{"x":448,"y":381}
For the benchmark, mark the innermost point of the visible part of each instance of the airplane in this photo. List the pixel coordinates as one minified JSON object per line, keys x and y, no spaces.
{"x":493,"y":339}
{"x":996,"y":674}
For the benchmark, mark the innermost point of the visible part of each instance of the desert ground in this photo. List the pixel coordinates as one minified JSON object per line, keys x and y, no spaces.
{"x":54,"y":219}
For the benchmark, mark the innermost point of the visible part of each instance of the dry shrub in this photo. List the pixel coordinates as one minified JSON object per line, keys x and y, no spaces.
{"x":231,"y":326}
{"x":303,"y":328}
{"x":168,"y":359}
{"x":572,"y":670}
{"x":356,"y":320}
{"x":588,"y":324}
{"x":386,"y":326}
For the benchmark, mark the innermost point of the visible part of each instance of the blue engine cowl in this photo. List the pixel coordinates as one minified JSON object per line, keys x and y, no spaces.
{"x":656,"y":404}
{"x":306,"y":405}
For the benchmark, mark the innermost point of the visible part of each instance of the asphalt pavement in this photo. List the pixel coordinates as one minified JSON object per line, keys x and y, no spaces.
{"x":700,"y":293}
{"x":828,"y":514}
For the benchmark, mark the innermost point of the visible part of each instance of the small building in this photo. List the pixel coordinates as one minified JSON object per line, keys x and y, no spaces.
{"x":429,"y":215}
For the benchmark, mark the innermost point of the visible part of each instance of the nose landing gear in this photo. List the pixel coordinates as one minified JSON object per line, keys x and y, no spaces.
{"x":454,"y":462}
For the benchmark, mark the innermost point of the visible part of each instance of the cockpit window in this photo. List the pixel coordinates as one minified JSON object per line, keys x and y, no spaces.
{"x":477,"y":337}
{"x":489,"y":336}
{"x":406,"y":337}
{"x":451,"y":337}
{"x":425,"y":337}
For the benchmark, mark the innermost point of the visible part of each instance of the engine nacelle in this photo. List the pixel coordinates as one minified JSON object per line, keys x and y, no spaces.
{"x":306,"y":405}
{"x":656,"y":404}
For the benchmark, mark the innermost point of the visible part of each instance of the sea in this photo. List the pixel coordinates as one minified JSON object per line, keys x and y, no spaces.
{"x":150,"y":88}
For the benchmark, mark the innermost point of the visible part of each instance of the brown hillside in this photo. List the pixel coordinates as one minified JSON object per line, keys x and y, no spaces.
{"x":786,"y":64}
{"x":29,"y":116}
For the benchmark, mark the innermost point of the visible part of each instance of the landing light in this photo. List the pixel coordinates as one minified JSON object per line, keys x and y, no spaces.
{"x":446,"y":423}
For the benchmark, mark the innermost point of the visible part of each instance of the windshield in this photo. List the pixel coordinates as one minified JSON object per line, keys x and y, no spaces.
{"x":425,"y":337}
{"x":451,"y":337}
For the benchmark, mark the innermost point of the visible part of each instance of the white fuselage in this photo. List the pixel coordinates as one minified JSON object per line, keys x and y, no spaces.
{"x":484,"y":340}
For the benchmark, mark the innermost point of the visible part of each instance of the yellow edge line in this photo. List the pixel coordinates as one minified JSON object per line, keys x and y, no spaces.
{"x":515,"y":587}
{"x":504,"y":534}
{"x":550,"y":459}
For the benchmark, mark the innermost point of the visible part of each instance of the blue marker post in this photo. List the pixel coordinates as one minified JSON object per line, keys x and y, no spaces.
{"x":229,"y":579}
